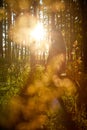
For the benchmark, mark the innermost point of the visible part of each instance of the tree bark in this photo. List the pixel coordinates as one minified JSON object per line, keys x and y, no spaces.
{"x":83,"y":5}
{"x":1,"y":49}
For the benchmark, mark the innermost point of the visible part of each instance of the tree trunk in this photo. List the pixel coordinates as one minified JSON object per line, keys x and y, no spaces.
{"x":1,"y":49}
{"x":83,"y":5}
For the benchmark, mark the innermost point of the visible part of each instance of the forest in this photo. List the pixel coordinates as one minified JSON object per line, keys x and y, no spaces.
{"x":43,"y":65}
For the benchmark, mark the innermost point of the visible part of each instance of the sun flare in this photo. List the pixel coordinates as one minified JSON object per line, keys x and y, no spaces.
{"x":38,"y":32}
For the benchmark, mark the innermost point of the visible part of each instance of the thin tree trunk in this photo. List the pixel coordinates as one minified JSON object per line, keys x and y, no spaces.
{"x":1,"y":47}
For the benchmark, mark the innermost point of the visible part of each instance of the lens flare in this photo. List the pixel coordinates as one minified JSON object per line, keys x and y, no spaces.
{"x":38,"y":32}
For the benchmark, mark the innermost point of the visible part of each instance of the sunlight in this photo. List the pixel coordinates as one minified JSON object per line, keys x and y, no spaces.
{"x":38,"y":32}
{"x":27,"y":31}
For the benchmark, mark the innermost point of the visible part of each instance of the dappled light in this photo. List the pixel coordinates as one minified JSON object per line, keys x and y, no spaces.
{"x":55,"y":5}
{"x":43,"y":65}
{"x":21,"y":31}
{"x":18,"y":5}
{"x":27,"y":31}
{"x":38,"y":100}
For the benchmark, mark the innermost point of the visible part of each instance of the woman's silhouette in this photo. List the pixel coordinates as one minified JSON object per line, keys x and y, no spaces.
{"x":57,"y":48}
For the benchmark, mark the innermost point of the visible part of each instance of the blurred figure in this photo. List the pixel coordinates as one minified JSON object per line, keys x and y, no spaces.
{"x":57,"y":49}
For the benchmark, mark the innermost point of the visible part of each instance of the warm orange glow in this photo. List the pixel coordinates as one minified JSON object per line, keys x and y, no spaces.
{"x":38,"y":35}
{"x":26,"y":31}
{"x":38,"y":32}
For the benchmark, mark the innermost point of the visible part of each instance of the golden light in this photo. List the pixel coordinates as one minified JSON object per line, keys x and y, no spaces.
{"x":38,"y":32}
{"x":28,"y":31}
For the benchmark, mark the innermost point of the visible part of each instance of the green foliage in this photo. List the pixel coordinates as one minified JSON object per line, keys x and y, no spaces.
{"x":39,"y":102}
{"x":78,"y":107}
{"x":39,"y":69}
{"x":74,"y":67}
{"x":33,"y":106}
{"x":35,"y":101}
{"x":12,"y":80}
{"x":57,"y":121}
{"x":18,"y":73}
